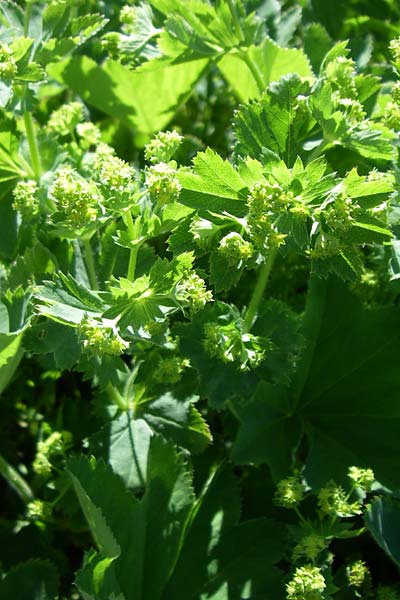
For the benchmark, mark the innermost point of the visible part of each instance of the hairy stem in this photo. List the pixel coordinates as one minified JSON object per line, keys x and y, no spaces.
{"x":259,"y":290}
{"x":90,"y":264}
{"x":311,"y":326}
{"x":16,"y":481}
{"x":33,"y":145}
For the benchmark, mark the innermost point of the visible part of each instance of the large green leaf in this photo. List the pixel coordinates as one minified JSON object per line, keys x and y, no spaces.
{"x":271,"y":61}
{"x":267,"y":433}
{"x":383,"y":521}
{"x":146,"y":99}
{"x":216,"y":511}
{"x":350,"y":399}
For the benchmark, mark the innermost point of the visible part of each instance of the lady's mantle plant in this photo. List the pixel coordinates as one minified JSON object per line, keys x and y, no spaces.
{"x":199,"y":281}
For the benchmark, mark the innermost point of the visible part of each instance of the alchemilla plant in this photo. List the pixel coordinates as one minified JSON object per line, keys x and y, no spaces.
{"x":199,"y":285}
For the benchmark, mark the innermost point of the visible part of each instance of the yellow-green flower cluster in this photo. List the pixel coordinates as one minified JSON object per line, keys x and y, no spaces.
{"x":392,"y":109}
{"x":235,"y":249}
{"x":116,"y":174}
{"x":394,"y":48}
{"x":78,"y":199}
{"x":231,"y":345}
{"x":8,"y":65}
{"x":363,"y":478}
{"x":340,"y":72}
{"x":162,"y":147}
{"x":64,"y":120}
{"x":169,"y":370}
{"x":162,"y":183}
{"x":265,"y":202}
{"x":192,"y":290}
{"x":290,"y":492}
{"x":38,"y":510}
{"x":333,"y":501}
{"x":358,"y":574}
{"x":98,"y":339}
{"x":89,"y":134}
{"x":46,"y":450}
{"x":25,"y":198}
{"x":308,"y":583}
{"x":128,"y":16}
{"x":340,"y":214}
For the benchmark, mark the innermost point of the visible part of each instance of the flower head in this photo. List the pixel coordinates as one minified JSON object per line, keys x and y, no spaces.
{"x":235,"y":249}
{"x":64,"y":120}
{"x":333,"y":500}
{"x":290,"y":492}
{"x":89,"y":134}
{"x":192,"y":290}
{"x":162,"y":147}
{"x":363,"y":478}
{"x":79,"y":200}
{"x":25,"y":198}
{"x":98,"y":339}
{"x":162,"y":183}
{"x":231,"y":344}
{"x":170,"y":369}
{"x":358,"y":574}
{"x":307,"y":583}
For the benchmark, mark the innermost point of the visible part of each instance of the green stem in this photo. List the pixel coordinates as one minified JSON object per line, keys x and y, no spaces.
{"x":33,"y":145}
{"x":254,"y":71}
{"x":133,"y":234}
{"x":28,"y":11}
{"x":259,"y":290}
{"x":90,"y":264}
{"x":236,"y":22}
{"x":311,"y":326}
{"x":16,"y":481}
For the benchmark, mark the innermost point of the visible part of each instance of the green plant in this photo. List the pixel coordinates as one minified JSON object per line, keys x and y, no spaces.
{"x":199,"y":300}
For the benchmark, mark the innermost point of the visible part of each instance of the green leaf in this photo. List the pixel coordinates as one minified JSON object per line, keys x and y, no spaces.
{"x":267,"y":434}
{"x":124,"y":443}
{"x":35,"y":263}
{"x":382,"y":518}
{"x":147,"y":538}
{"x":349,"y":402}
{"x":97,"y":579}
{"x":67,"y":301}
{"x":216,"y":511}
{"x":243,"y":562}
{"x":270,"y":60}
{"x":223,"y":275}
{"x":145,"y":99}
{"x":317,"y":42}
{"x":274,"y":122}
{"x":213,"y":185}
{"x":33,"y":580}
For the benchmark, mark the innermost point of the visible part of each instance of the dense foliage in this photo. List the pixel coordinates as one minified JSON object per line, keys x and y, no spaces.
{"x":200,"y":265}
